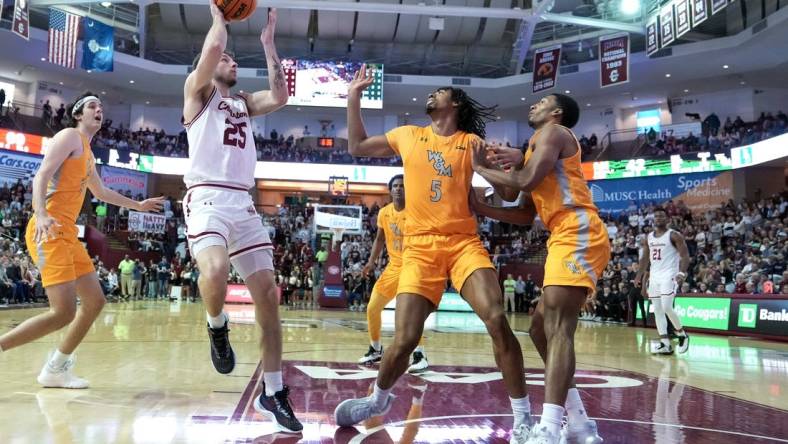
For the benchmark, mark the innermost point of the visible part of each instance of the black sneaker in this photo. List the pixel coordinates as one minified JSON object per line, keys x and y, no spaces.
{"x":222,"y":354}
{"x":664,"y":350}
{"x":419,"y":364}
{"x":683,"y":343}
{"x":278,"y":408}
{"x":372,"y":356}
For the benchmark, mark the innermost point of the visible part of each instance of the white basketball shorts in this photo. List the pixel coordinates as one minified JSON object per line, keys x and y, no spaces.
{"x":661,"y":286}
{"x":224,"y":215}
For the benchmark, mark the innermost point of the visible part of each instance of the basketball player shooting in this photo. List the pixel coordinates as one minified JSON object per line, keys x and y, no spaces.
{"x":68,"y":169}
{"x":223,"y":225}
{"x":441,"y":240}
{"x":391,"y":222}
{"x":666,"y":257}
{"x":578,"y":251}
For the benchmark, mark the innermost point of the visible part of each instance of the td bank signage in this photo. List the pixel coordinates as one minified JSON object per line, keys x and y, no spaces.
{"x":768,"y":317}
{"x":753,"y":316}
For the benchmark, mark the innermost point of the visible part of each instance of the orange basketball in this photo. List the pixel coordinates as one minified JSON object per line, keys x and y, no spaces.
{"x":236,"y":10}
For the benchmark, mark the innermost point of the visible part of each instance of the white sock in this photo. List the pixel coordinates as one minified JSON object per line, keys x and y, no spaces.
{"x":416,"y":400}
{"x":273,"y":382}
{"x":379,"y":397}
{"x":419,"y":349}
{"x":218,"y":321}
{"x":575,"y":411}
{"x":58,"y":359}
{"x":552,"y":415}
{"x":376,"y":345}
{"x":521,"y":408}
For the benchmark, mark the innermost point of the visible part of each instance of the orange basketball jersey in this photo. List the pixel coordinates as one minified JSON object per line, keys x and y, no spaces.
{"x":563,"y":190}
{"x":392,"y":222}
{"x":438,"y":174}
{"x":66,"y":190}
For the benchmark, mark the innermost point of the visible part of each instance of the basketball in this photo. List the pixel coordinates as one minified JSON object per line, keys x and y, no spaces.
{"x":236,"y":10}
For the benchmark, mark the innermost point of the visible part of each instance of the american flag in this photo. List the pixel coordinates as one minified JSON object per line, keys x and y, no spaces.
{"x":63,"y":30}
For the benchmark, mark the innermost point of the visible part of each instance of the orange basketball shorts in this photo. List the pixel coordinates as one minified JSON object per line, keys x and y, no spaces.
{"x":60,"y":259}
{"x":578,"y":250}
{"x":428,"y":260}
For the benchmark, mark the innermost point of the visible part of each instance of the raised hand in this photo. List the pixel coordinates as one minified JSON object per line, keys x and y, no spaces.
{"x":479,"y":156}
{"x":361,"y":81}
{"x":216,"y":13}
{"x":154,"y":204}
{"x":267,"y":36}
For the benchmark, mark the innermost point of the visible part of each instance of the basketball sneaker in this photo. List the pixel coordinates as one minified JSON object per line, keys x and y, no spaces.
{"x":61,"y":377}
{"x":520,"y":433}
{"x":352,"y":411}
{"x":222,"y":354}
{"x":664,"y":350}
{"x":539,"y":434}
{"x":372,"y":356}
{"x":583,"y":433}
{"x":278,"y":408}
{"x":419,"y":364}
{"x":683,"y":343}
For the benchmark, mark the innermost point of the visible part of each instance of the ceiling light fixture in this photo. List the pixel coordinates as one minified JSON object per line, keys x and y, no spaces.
{"x":667,"y":75}
{"x":742,"y":82}
{"x":414,"y":99}
{"x":725,"y":66}
{"x":131,"y":81}
{"x":43,"y":59}
{"x":106,"y":4}
{"x":630,"y":7}
{"x":686,"y":90}
{"x":567,"y":92}
{"x":60,"y":83}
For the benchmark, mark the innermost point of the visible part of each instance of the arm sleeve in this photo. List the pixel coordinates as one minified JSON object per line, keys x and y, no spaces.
{"x":401,"y":138}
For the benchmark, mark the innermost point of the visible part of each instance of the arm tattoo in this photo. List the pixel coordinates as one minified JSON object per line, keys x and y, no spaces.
{"x":279,"y":77}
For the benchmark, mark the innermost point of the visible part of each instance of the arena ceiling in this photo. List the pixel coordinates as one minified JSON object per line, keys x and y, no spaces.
{"x":479,"y":38}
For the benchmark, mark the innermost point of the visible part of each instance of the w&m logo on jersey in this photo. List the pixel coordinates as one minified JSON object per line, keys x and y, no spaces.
{"x":572,"y":266}
{"x":439,"y":163}
{"x":748,"y":314}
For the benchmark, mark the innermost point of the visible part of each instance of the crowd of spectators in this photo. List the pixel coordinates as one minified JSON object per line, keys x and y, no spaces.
{"x":715,"y":137}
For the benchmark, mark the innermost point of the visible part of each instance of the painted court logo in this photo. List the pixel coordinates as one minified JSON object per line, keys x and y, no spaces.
{"x":748,"y":315}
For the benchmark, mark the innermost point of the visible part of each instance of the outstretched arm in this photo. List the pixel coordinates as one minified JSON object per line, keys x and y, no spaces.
{"x":198,"y":84}
{"x":359,"y":144}
{"x":264,"y":102}
{"x":96,"y":186}
{"x":522,"y":215}
{"x":550,"y":143}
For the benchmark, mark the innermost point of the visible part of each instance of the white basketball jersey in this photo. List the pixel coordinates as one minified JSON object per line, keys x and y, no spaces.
{"x":221,"y":145}
{"x":664,"y":257}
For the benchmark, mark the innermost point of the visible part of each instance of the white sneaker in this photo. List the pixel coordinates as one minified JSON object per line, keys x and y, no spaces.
{"x":62,"y":377}
{"x":583,"y":433}
{"x":520,"y":434}
{"x":541,"y":435}
{"x":419,"y":363}
{"x":352,"y":411}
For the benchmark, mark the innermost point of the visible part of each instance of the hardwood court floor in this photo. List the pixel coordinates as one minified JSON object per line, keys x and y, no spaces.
{"x":152,"y":382}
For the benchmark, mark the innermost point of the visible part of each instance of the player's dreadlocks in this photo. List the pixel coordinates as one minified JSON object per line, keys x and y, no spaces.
{"x":472,"y":115}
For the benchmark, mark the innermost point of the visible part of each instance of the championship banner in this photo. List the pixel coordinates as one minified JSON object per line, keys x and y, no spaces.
{"x":15,"y":167}
{"x":147,"y":222}
{"x":682,"y":9}
{"x":123,"y":180}
{"x":21,"y":26}
{"x":718,"y":5}
{"x":546,"y":68}
{"x":667,"y":32}
{"x":700,"y":12}
{"x":613,"y":60}
{"x":652,"y":36}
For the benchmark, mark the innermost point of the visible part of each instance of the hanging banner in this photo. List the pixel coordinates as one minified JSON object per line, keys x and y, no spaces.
{"x":652,"y":35}
{"x":98,"y":46}
{"x":700,"y":12}
{"x":667,"y":32}
{"x":123,"y":180}
{"x":682,"y":9}
{"x":613,"y":60}
{"x":546,"y":68}
{"x":718,"y":5}
{"x":147,"y":222}
{"x":21,"y":25}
